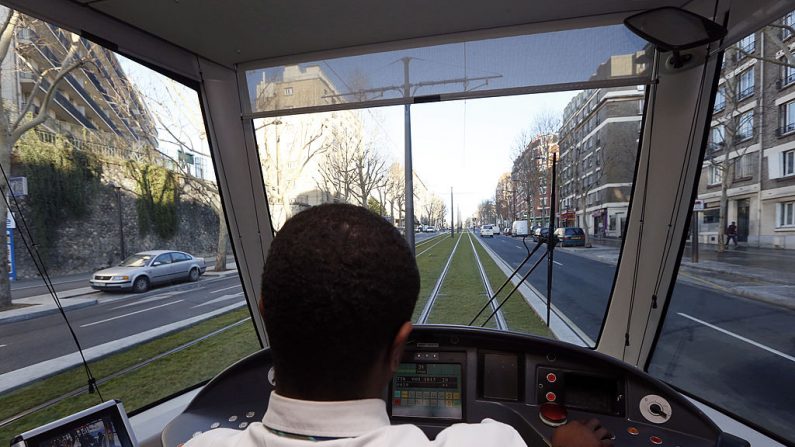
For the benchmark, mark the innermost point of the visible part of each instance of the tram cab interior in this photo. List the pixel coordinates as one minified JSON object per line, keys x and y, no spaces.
{"x":222,"y":49}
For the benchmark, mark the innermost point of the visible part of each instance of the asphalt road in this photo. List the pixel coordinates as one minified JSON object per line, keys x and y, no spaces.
{"x":116,"y":316}
{"x":729,"y":350}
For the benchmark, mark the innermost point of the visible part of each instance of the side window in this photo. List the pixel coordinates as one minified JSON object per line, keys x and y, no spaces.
{"x":82,"y":187}
{"x":163,"y":259}
{"x":179,"y":257}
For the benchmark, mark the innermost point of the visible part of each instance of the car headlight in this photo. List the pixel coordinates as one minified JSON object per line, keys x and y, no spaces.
{"x":120,"y":278}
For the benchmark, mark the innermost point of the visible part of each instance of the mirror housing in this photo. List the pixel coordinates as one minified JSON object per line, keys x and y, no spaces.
{"x":674,"y":29}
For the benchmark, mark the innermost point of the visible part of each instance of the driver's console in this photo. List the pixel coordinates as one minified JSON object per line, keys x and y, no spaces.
{"x":455,"y":374}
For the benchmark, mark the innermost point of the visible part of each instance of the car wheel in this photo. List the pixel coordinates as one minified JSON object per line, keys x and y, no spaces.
{"x":193,"y":276}
{"x":141,"y":284}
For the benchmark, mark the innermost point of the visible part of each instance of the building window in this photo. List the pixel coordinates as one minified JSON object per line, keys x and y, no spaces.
{"x":786,"y":118}
{"x":745,"y":87}
{"x":789,"y":162}
{"x":788,"y":20}
{"x":714,"y":174}
{"x":716,"y":139}
{"x":786,"y":214}
{"x":720,"y":100}
{"x":787,"y":73}
{"x":745,"y":126}
{"x":288,"y":91}
{"x":742,"y":167}
{"x":746,"y":46}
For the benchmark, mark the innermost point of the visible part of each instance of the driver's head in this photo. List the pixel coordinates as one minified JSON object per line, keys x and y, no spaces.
{"x":338,"y":288}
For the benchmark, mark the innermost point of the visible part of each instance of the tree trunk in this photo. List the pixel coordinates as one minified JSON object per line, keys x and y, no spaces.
{"x":724,"y":207}
{"x":223,"y":239}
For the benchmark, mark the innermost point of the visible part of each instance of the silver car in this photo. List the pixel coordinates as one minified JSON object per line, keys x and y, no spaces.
{"x":142,"y":270}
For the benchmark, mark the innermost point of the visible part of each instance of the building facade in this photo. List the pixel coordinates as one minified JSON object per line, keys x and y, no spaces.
{"x":598,"y":145}
{"x":749,"y":163}
{"x":531,"y":176}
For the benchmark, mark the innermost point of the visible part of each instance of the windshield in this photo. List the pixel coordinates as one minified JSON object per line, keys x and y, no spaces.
{"x":136,"y":261}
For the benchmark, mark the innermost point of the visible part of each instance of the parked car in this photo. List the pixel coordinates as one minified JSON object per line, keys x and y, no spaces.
{"x":519,"y":228}
{"x":486,"y":230}
{"x":570,"y":236}
{"x":541,"y":233}
{"x":507,"y":231}
{"x":147,"y":268}
{"x":430,"y":229}
{"x":496,"y":229}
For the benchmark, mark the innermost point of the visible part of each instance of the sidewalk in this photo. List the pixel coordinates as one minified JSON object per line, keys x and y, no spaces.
{"x":41,"y":305}
{"x":762,"y":274}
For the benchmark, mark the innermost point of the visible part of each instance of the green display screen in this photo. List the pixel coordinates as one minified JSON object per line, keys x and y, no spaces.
{"x":427,"y":390}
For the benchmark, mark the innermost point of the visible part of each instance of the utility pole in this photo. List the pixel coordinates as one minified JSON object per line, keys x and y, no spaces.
{"x":452,"y":214}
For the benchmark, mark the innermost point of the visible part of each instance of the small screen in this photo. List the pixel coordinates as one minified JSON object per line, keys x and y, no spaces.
{"x":100,"y":432}
{"x":427,"y":390}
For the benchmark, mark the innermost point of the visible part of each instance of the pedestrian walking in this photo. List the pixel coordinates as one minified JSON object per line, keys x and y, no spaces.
{"x":731,"y":234}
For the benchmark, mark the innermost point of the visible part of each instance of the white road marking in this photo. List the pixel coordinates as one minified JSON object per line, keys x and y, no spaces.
{"x":226,"y":288}
{"x":3,"y":346}
{"x":217,"y":300}
{"x":161,"y":296}
{"x":556,"y":262}
{"x":131,"y":313}
{"x":739,"y":337}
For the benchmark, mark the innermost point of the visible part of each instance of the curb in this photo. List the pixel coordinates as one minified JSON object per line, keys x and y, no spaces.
{"x":47,"y":310}
{"x":692,"y":272}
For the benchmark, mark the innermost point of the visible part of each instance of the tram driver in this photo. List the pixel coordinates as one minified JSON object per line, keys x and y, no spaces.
{"x":338,"y":292}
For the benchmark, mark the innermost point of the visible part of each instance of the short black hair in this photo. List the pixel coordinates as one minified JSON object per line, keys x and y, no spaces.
{"x":338,"y":283}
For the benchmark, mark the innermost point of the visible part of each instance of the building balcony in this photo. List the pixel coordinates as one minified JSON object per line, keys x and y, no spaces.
{"x":745,"y":93}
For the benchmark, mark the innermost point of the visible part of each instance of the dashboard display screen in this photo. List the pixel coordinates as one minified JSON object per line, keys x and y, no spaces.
{"x":427,"y":390}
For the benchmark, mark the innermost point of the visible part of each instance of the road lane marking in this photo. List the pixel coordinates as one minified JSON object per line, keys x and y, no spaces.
{"x":218,"y":300}
{"x":157,"y":297}
{"x":739,"y":337}
{"x":130,"y":314}
{"x":226,"y":288}
{"x":3,"y":346}
{"x":556,"y":262}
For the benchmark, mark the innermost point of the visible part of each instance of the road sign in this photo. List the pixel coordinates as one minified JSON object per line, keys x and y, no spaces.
{"x":19,"y":186}
{"x":10,"y":222}
{"x":698,"y":205}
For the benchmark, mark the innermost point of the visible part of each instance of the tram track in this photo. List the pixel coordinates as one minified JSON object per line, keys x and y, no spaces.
{"x":498,"y":317}
{"x":426,"y":310}
{"x":441,"y":239}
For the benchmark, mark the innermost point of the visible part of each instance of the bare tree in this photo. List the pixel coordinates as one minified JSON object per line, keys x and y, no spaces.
{"x":33,"y":111}
{"x":336,"y":170}
{"x":368,"y":169}
{"x":288,"y":148}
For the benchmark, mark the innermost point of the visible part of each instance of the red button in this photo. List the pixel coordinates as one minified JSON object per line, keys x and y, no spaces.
{"x":553,"y":414}
{"x":633,"y":431}
{"x":552,"y":378}
{"x":551,"y":396}
{"x":655,"y":440}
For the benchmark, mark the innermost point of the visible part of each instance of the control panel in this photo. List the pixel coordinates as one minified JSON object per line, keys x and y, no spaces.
{"x":456,"y":374}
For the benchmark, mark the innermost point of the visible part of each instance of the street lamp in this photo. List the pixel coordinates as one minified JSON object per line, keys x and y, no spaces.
{"x":121,"y":223}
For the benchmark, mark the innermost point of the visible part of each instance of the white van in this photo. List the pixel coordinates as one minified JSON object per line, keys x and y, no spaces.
{"x":519,"y":228}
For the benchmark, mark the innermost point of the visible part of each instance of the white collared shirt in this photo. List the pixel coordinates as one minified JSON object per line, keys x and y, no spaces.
{"x":354,"y":423}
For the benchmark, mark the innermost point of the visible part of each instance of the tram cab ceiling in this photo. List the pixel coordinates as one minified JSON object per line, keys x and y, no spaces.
{"x":245,"y":31}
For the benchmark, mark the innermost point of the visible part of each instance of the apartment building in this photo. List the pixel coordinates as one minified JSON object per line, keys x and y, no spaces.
{"x":750,"y":154}
{"x":531,"y":177}
{"x":598,"y":143}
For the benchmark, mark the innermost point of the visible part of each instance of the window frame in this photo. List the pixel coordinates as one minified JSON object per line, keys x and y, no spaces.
{"x":785,"y":210}
{"x":746,"y":76}
{"x":786,"y":118}
{"x":788,"y":156}
{"x":742,"y":122}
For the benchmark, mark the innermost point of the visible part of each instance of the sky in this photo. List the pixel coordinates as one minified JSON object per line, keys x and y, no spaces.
{"x":466,"y":145}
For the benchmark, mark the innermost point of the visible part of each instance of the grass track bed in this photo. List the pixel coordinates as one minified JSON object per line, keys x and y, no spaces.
{"x":430,"y":265}
{"x":462,"y":294}
{"x":155,"y":381}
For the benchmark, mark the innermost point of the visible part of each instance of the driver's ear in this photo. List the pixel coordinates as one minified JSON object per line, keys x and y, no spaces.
{"x":396,"y":350}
